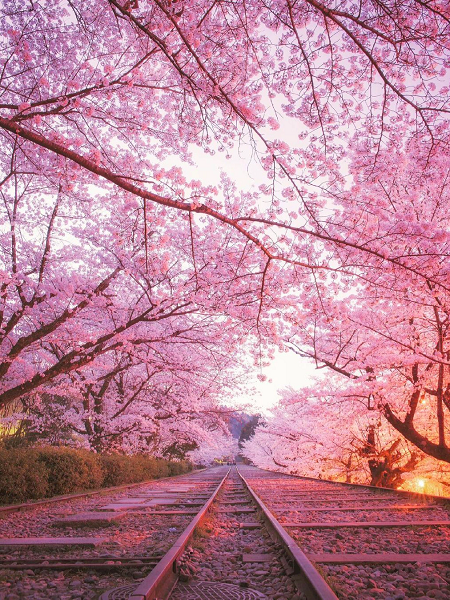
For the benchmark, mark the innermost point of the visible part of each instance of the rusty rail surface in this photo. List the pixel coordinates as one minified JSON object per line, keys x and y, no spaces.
{"x":162,"y":579}
{"x":311,"y":583}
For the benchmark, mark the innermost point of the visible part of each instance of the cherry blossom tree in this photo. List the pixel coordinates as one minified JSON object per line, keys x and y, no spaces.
{"x":315,"y":434}
{"x":161,"y":398}
{"x":109,"y":243}
{"x":386,"y":339}
{"x":214,"y":448}
{"x":112,"y":90}
{"x":79,"y":288}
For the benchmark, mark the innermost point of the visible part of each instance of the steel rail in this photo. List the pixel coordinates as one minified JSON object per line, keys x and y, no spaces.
{"x":312,"y":584}
{"x":162,"y":579}
{"x":112,"y":563}
{"x":25,"y":506}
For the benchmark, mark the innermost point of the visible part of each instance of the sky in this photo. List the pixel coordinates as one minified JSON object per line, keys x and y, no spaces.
{"x":287,"y":370}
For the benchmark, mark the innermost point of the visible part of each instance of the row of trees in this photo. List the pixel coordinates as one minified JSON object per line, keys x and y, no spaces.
{"x":132,"y":350}
{"x":141,"y":293}
{"x":384,"y":341}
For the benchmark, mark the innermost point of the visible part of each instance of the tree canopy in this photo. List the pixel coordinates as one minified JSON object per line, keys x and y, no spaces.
{"x":118,"y":263}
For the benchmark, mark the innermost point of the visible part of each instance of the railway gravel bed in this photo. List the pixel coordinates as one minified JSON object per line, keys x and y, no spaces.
{"x":223,"y":550}
{"x":137,"y":534}
{"x":389,"y":582}
{"x":291,"y":515}
{"x":421,"y":539}
{"x":345,"y":512}
{"x":367,"y":543}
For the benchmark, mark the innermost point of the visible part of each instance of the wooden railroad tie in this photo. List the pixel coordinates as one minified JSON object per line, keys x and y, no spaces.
{"x":385,"y":558}
{"x":87,"y":542}
{"x":257,"y":558}
{"x":236,"y":510}
{"x":366,"y":524}
{"x":350,"y":508}
{"x":89,"y":519}
{"x":342,"y":499}
{"x":62,"y":564}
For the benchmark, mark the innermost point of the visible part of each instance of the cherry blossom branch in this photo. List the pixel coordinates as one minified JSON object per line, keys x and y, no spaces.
{"x":126,"y":185}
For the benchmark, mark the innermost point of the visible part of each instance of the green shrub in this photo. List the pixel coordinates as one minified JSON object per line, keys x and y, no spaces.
{"x":116,"y":469}
{"x":70,"y":470}
{"x":162,"y":467}
{"x":119,"y":469}
{"x":178,"y":468}
{"x":22,"y":476}
{"x":42,"y":472}
{"x":141,"y":468}
{"x":144,"y":467}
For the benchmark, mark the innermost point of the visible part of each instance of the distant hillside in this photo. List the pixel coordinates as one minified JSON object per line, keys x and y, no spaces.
{"x":249,"y":429}
{"x":236,"y":423}
{"x":242,"y":425}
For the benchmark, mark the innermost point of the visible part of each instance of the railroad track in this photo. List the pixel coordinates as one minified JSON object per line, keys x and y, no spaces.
{"x":348,"y":542}
{"x":137,"y":544}
{"x":238,"y":558}
{"x":367,"y":542}
{"x":89,"y":545}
